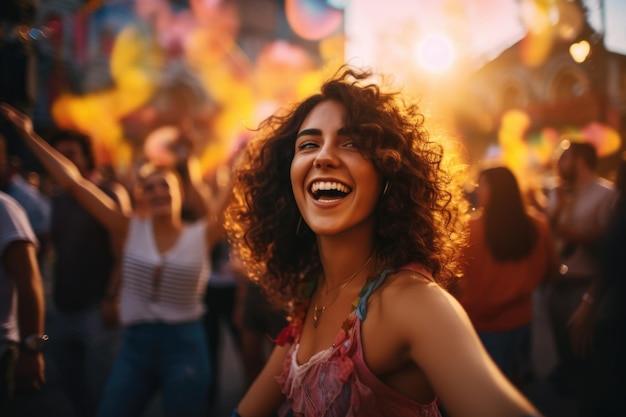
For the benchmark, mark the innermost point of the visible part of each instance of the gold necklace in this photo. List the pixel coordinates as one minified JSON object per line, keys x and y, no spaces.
{"x":317,"y":312}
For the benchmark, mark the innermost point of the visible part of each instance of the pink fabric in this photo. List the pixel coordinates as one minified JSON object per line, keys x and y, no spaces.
{"x":337,"y":382}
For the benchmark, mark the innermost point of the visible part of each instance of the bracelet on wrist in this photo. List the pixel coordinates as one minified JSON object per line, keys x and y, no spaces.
{"x":33,"y":343}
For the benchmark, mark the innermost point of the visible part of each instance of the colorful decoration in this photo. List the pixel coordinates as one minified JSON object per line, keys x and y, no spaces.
{"x":313,"y":19}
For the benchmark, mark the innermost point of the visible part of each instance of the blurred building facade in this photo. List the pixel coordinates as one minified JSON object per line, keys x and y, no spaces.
{"x":577,"y":88}
{"x":73,"y":39}
{"x":234,"y":60}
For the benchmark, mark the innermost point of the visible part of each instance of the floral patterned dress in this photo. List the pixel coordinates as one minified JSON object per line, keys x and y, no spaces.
{"x":337,"y":382}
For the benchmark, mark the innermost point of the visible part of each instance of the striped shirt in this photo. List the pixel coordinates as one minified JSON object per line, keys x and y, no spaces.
{"x":163,"y":287}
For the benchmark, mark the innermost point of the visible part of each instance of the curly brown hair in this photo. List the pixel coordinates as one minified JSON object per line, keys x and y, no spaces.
{"x":417,"y":220}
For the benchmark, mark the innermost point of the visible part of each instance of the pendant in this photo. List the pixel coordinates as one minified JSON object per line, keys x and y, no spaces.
{"x":317,"y":313}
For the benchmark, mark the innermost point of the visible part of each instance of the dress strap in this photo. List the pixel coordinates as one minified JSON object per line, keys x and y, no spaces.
{"x":291,"y":333}
{"x":370,"y":287}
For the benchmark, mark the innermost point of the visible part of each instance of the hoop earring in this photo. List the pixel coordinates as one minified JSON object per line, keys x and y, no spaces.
{"x":386,"y":188}
{"x":299,"y":226}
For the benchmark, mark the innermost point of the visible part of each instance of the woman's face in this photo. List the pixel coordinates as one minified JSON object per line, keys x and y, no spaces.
{"x":161,"y":193}
{"x":335,"y":187}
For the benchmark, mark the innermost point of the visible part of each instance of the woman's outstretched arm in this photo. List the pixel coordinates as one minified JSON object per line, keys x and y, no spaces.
{"x":445,"y":345}
{"x":94,"y":200}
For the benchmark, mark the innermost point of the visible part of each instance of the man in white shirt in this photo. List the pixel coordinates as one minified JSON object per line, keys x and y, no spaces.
{"x":21,"y":305}
{"x":579,"y":209}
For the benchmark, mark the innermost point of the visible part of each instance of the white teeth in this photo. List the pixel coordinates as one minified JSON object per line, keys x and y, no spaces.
{"x":329,"y":185}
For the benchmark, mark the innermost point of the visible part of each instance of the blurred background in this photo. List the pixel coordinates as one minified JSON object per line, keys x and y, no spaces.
{"x":505,"y":78}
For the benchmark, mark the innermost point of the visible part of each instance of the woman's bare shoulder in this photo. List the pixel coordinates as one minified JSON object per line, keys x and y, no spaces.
{"x":415,"y":295}
{"x":413,"y":277}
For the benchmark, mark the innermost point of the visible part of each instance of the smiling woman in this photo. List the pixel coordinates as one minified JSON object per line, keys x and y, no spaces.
{"x":326,"y":168}
{"x":372,"y":330}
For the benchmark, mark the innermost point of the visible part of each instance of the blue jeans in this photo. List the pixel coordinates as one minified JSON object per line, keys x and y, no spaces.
{"x":85,"y":351}
{"x":510,"y":350}
{"x":171,"y":358}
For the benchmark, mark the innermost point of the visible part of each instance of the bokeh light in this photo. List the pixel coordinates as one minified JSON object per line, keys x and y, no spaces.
{"x":435,"y":53}
{"x":239,"y":90}
{"x":570,"y":20}
{"x":580,"y":51}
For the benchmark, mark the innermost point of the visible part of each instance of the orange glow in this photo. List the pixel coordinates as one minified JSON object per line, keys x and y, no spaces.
{"x":570,"y":21}
{"x":540,"y":17}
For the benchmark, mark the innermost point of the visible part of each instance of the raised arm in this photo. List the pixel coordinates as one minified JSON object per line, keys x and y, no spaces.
{"x":122,"y":198}
{"x":206,"y":198}
{"x":197,"y":191}
{"x":200,"y":199}
{"x":444,"y":344}
{"x":208,"y":201}
{"x":94,"y":200}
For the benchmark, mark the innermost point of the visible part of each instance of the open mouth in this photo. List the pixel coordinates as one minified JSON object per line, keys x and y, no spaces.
{"x":329,"y":190}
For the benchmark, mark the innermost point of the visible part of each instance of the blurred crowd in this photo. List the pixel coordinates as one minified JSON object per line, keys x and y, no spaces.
{"x":561,"y":250}
{"x":77,"y":265}
{"x":566,"y":243}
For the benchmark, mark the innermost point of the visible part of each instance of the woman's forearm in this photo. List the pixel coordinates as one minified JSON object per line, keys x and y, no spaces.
{"x":92,"y":198}
{"x":58,"y":166}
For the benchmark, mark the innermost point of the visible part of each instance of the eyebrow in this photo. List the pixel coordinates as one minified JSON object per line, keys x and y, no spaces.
{"x":318,"y":132}
{"x":309,"y":132}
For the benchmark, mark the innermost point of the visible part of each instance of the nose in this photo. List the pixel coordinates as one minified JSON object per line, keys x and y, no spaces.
{"x":326,"y":157}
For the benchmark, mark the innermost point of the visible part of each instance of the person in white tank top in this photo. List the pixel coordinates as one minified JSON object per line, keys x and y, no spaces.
{"x":164,"y":274}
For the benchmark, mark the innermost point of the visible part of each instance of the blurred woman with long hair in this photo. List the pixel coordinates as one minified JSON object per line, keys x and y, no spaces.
{"x":510,"y":253}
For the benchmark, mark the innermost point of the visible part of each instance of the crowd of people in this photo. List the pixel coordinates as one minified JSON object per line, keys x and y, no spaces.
{"x":353,"y":274}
